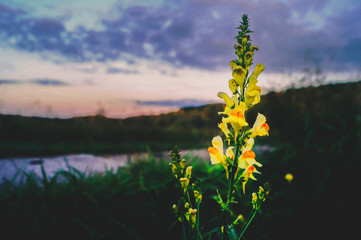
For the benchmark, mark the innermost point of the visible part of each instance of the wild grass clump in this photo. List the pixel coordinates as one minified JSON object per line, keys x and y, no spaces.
{"x":131,"y":202}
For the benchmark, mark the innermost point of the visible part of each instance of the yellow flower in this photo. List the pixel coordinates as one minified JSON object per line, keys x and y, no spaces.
{"x":247,"y":174}
{"x":233,"y":86}
{"x":236,"y":117}
{"x":247,"y":157}
{"x":252,"y":80}
{"x":226,"y":99}
{"x":174,"y":170}
{"x":182,"y":163}
{"x":191,"y":216}
{"x":254,"y":48}
{"x":216,"y":153}
{"x":239,"y":49}
{"x":248,"y":57}
{"x":224,"y":128}
{"x":184,"y":182}
{"x":260,"y":127}
{"x":238,"y":73}
{"x":244,"y":40}
{"x":254,"y":199}
{"x":229,"y":153}
{"x":252,"y":96}
{"x":198,"y":196}
{"x":289,"y":177}
{"x":188,"y":172}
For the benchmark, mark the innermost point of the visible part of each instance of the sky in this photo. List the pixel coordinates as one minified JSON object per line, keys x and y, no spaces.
{"x":125,"y":58}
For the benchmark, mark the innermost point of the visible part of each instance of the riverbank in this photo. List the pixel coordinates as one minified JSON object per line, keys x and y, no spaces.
{"x":293,"y":115}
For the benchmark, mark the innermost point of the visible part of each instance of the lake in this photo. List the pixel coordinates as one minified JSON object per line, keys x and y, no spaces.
{"x":89,"y":163}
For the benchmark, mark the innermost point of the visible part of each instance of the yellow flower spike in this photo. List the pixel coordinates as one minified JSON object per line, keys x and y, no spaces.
{"x":257,"y":71}
{"x":233,"y":86}
{"x":260,"y":127}
{"x":226,"y":99}
{"x":239,"y":74}
{"x":188,"y":172}
{"x":252,"y":96}
{"x":216,"y":153}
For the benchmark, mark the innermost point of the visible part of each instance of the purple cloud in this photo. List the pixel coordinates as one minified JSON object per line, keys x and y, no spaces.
{"x":175,"y":103}
{"x":42,"y":82}
{"x":199,"y":34}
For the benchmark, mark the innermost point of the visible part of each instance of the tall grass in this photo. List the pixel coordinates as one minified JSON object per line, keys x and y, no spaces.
{"x":130,"y":202}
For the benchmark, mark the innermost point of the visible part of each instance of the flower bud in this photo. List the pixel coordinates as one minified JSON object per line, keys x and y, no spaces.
{"x":188,"y":172}
{"x":192,"y":216}
{"x":254,"y":199}
{"x":224,"y":128}
{"x":239,"y":74}
{"x":244,"y":40}
{"x":226,"y":99}
{"x":240,"y":218}
{"x":186,"y":205}
{"x":182,"y":163}
{"x":184,"y":182}
{"x":174,"y":169}
{"x":233,"y":86}
{"x":248,"y":57}
{"x":254,"y":48}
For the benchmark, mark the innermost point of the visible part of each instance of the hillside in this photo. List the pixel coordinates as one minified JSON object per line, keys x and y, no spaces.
{"x":294,"y":115}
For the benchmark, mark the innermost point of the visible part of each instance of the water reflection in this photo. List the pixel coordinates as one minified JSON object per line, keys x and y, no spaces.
{"x":87,"y":163}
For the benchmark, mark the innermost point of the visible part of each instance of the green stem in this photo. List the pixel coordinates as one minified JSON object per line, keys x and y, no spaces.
{"x":197,"y":224}
{"x":230,"y":191}
{"x":254,"y":214}
{"x":189,"y":199}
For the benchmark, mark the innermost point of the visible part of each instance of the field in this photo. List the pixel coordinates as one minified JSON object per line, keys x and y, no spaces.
{"x":315,"y":133}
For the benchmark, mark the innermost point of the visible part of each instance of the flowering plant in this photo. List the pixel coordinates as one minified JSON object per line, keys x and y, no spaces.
{"x":238,"y":160}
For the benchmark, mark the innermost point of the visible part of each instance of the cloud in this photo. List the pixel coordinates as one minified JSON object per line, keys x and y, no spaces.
{"x":175,"y":103}
{"x":48,"y":82}
{"x":41,"y":82}
{"x":9,"y":82}
{"x":291,"y":34}
{"x":115,"y":70}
